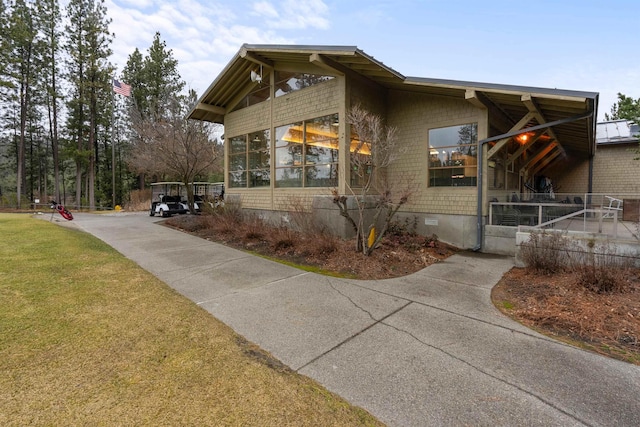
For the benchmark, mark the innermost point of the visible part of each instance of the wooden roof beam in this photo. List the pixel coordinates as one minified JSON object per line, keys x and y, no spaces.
{"x":540,"y":155}
{"x":255,"y":58}
{"x":512,"y":158}
{"x":531,"y":104}
{"x":517,"y":127}
{"x":211,"y":109}
{"x":480,"y":100}
{"x":545,"y":162}
{"x":329,"y":64}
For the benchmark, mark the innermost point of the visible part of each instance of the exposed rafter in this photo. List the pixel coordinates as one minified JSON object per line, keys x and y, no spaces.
{"x":498,"y":115}
{"x":545,"y":162}
{"x":533,"y":107}
{"x":254,"y":57}
{"x":539,"y":155}
{"x":211,"y":108}
{"x":517,"y":128}
{"x":512,"y":158}
{"x":329,"y":64}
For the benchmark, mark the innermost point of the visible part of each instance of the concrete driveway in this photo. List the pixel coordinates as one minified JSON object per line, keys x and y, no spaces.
{"x":426,"y":349}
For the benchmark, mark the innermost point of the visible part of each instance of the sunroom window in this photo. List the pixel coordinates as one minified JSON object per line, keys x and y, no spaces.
{"x":306,"y":153}
{"x":453,"y":156}
{"x":250,"y":160}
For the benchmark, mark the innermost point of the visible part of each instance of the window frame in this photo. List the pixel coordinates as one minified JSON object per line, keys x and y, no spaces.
{"x":457,"y":160}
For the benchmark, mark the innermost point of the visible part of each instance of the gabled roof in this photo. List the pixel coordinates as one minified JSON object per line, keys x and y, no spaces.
{"x":234,"y":78}
{"x":507,"y":104}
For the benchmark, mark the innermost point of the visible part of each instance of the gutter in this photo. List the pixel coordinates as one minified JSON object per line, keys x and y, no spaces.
{"x":483,"y":142}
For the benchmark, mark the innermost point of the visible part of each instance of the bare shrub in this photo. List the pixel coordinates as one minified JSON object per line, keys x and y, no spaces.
{"x":604,"y":270}
{"x":254,"y":227}
{"x":547,"y":253}
{"x":283,"y":238}
{"x":301,"y":217}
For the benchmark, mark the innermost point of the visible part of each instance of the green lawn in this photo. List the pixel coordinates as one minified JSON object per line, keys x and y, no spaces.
{"x":89,"y":338}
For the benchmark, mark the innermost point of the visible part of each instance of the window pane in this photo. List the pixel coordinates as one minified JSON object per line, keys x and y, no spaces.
{"x":259,"y":150}
{"x":237,"y":179}
{"x":289,"y":177}
{"x":322,"y":175}
{"x":451,"y":177}
{"x":238,"y":144}
{"x":289,"y":140}
{"x":453,"y":155}
{"x":238,"y":162}
{"x":259,"y":178}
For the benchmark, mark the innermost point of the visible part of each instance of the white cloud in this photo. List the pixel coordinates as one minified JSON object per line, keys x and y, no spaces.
{"x":300,"y":14}
{"x":264,"y":9}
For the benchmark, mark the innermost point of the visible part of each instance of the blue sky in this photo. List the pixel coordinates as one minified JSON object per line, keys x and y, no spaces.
{"x":566,"y":44}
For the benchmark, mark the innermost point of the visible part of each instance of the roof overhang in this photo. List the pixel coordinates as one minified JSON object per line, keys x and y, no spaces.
{"x":510,"y":108}
{"x":234,"y":82}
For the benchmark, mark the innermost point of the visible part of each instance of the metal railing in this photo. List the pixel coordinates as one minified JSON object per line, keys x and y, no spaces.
{"x":616,"y":215}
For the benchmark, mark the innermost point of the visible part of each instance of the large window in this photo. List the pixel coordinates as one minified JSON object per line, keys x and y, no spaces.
{"x":306,"y":153}
{"x":453,"y":156}
{"x":287,"y":82}
{"x":250,"y":160}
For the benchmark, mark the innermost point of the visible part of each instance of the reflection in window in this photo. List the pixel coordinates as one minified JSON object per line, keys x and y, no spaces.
{"x":287,"y":82}
{"x":250,"y":160}
{"x":306,"y":153}
{"x":453,"y":156}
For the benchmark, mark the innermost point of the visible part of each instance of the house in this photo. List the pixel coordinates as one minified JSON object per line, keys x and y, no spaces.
{"x":465,"y":144}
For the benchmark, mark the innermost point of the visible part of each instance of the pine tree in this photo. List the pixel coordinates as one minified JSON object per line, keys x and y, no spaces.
{"x":21,"y":35}
{"x":88,"y":72}
{"x":48,"y":20}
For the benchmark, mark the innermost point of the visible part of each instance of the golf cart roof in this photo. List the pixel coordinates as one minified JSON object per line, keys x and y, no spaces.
{"x":168,"y":183}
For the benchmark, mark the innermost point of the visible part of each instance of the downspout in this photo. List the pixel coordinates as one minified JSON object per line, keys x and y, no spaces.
{"x":510,"y":134}
{"x":479,"y":184}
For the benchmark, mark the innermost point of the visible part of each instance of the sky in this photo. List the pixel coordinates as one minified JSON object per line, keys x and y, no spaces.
{"x":582,"y":45}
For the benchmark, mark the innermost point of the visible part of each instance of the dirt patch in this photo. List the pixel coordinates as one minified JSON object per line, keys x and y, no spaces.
{"x":560,"y":306}
{"x":399,"y":254}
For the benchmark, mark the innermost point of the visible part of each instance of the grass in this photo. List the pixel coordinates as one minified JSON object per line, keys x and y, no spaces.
{"x":89,"y":338}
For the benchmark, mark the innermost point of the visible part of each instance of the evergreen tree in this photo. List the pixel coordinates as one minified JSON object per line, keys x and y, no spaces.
{"x":88,"y":73}
{"x":48,"y":23}
{"x":162,"y":81}
{"x":21,"y":34}
{"x":626,"y":108}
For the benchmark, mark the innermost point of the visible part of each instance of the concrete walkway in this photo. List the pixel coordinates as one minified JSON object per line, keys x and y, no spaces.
{"x":426,"y":349}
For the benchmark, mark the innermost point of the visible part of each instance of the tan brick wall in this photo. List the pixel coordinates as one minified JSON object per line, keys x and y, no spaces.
{"x":413,"y":115}
{"x":615,"y":171}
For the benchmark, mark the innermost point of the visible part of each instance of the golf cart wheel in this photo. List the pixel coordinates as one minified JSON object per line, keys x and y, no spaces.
{"x":162,"y":213}
{"x":152,"y":212}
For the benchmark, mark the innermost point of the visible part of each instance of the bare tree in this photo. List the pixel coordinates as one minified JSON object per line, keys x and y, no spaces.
{"x":374,"y":149}
{"x":174,"y":146}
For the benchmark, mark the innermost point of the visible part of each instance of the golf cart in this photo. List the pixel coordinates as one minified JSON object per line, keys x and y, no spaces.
{"x":166,"y":199}
{"x":208,"y":192}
